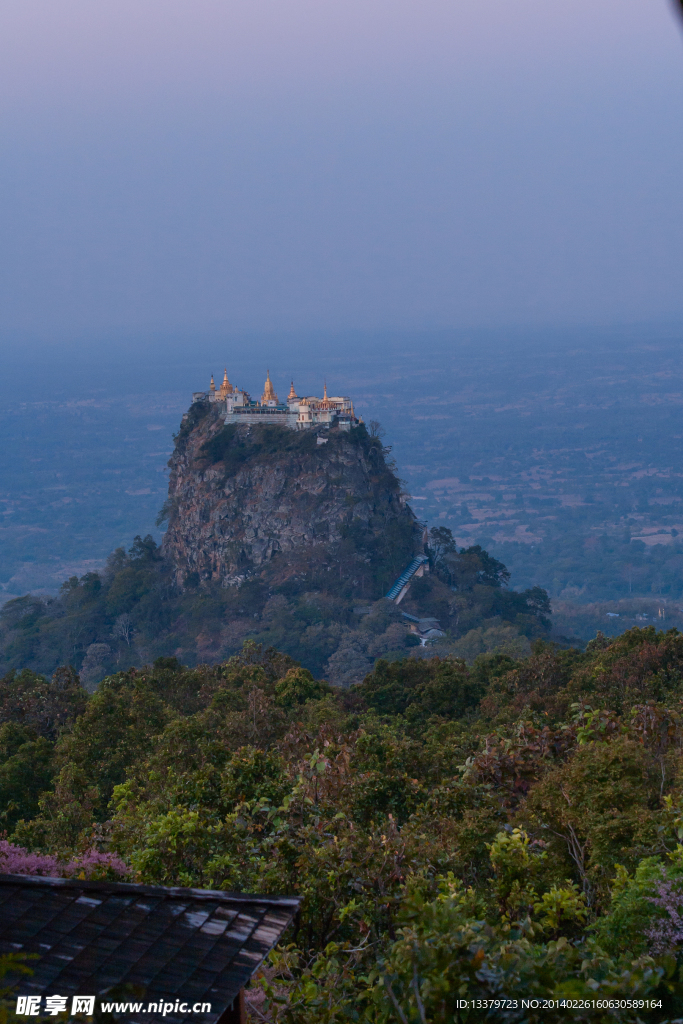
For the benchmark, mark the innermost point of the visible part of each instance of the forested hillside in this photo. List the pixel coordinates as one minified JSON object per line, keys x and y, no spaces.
{"x":508,"y":829}
{"x":135,"y":612}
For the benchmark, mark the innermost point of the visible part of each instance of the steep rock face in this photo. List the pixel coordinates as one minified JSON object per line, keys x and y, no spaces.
{"x":240,"y":496}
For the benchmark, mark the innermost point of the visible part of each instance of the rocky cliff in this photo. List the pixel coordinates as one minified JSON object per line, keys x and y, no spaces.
{"x":247,"y":501}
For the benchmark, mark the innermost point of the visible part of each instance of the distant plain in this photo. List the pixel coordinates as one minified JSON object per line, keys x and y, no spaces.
{"x":560,"y":452}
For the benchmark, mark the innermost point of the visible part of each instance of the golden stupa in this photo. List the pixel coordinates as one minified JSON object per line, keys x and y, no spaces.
{"x":268,"y":391}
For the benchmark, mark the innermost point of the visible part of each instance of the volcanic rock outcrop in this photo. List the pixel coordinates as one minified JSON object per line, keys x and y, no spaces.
{"x":242,"y":499}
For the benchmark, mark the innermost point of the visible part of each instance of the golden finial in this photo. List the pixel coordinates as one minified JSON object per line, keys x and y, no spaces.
{"x":325,"y":390}
{"x":213,"y":386}
{"x":292,"y":393}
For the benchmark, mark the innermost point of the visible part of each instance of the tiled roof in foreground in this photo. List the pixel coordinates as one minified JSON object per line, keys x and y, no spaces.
{"x":138,"y":942}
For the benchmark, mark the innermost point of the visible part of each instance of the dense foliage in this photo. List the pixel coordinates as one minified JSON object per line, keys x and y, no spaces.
{"x":510,"y":829}
{"x":132,"y":612}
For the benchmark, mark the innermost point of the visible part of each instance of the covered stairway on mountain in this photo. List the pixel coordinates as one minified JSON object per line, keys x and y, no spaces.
{"x":418,"y":567}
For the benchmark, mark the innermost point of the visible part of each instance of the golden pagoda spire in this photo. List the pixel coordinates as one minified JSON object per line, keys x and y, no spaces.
{"x":226,"y":386}
{"x":292,"y":393}
{"x":325,"y":390}
{"x":268,"y":391}
{"x":213,"y":386}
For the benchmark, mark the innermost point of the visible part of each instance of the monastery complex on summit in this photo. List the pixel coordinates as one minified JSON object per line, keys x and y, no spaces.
{"x":299,"y":413}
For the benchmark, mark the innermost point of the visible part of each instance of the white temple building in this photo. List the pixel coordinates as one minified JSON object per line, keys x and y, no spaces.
{"x":299,"y":413}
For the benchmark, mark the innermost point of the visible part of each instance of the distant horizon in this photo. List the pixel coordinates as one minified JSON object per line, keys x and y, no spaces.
{"x":66,"y":339}
{"x":117,"y":363}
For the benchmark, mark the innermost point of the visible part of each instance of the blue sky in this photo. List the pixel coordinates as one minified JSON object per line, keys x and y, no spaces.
{"x":267,"y":165}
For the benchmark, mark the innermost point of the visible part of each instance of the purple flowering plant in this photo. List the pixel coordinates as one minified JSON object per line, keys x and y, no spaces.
{"x":666,"y":931}
{"x":16,"y":860}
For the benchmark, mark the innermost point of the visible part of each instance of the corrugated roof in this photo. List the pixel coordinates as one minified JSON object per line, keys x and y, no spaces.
{"x":162,"y":944}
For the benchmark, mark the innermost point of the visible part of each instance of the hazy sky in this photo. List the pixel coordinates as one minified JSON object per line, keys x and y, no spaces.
{"x":285,"y":164}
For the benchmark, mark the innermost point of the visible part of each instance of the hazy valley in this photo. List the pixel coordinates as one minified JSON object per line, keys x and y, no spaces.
{"x":560,"y":455}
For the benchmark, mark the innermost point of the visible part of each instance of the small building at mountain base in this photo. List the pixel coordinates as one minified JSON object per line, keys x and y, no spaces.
{"x":161,"y":954}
